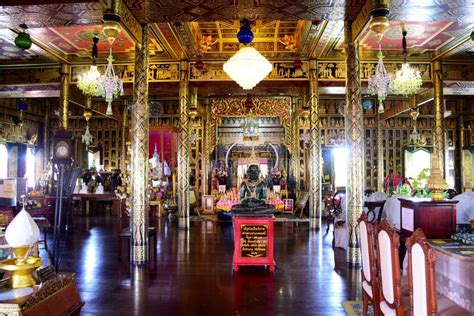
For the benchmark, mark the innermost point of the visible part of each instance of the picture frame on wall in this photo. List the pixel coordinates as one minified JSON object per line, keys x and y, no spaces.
{"x":208,"y":203}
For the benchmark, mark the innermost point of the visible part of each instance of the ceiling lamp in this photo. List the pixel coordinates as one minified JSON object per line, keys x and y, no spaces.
{"x":87,"y":82}
{"x":109,"y":85}
{"x":23,"y":39}
{"x":247,"y":67}
{"x":381,"y":82}
{"x":416,"y":139}
{"x":87,"y":137}
{"x":407,"y":80}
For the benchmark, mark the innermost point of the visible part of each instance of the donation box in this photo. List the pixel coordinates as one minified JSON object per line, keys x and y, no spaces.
{"x":253,"y":241}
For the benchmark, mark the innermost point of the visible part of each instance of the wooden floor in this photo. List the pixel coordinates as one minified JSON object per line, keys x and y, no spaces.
{"x":192,"y":273}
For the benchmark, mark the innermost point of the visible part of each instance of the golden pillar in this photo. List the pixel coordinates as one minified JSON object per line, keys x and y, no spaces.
{"x":295,"y":142}
{"x":354,"y":141}
{"x":436,"y":182}
{"x":139,"y":156}
{"x":46,"y":135}
{"x":439,"y":112}
{"x":64,"y":73}
{"x":206,"y":159}
{"x":183,"y":147}
{"x":314,"y":148}
{"x":380,"y":158}
{"x":124,"y":135}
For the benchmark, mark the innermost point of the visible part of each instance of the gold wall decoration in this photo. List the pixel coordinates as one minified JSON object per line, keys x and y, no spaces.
{"x":336,"y":70}
{"x":213,"y":71}
{"x":314,"y":149}
{"x":130,"y":22}
{"x":46,"y":74}
{"x":458,"y":72}
{"x":264,"y":107}
{"x":65,"y":71}
{"x":157,"y":72}
{"x":183,"y":148}
{"x":355,"y":143}
{"x":139,"y":158}
{"x":294,"y":139}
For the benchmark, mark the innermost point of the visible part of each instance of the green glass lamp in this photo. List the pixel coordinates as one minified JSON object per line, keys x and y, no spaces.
{"x":23,"y":40}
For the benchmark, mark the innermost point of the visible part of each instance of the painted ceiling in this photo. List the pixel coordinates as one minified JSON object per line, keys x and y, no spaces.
{"x":191,"y":29}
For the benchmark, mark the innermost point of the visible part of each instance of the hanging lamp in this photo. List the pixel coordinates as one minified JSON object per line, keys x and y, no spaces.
{"x":247,"y":67}
{"x":87,"y":82}
{"x":407,"y":80}
{"x":381,"y":82}
{"x":23,"y":39}
{"x":109,"y":85}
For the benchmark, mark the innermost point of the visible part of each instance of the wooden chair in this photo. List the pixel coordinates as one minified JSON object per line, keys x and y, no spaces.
{"x":422,"y":280}
{"x":370,"y":285}
{"x":334,"y":207}
{"x":372,"y":215}
{"x":388,"y":265}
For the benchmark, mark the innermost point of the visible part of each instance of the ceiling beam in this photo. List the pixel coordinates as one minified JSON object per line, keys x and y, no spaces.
{"x":462,"y":41}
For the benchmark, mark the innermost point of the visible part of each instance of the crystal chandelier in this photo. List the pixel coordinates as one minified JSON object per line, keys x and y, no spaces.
{"x":381,"y":82}
{"x":109,"y":85}
{"x":407,"y":80}
{"x":247,"y":67}
{"x":87,"y":137}
{"x":416,"y":139}
{"x":87,"y":82}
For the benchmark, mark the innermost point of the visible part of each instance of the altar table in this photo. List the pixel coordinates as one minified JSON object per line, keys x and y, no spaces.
{"x":86,"y":198}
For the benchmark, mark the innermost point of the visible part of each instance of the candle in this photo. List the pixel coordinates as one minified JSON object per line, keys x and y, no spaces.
{"x":174,"y":183}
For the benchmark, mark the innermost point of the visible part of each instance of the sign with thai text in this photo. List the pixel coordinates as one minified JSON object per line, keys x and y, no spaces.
{"x":253,"y":241}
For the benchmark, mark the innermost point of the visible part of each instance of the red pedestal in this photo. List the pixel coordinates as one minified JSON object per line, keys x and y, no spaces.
{"x":253,"y":241}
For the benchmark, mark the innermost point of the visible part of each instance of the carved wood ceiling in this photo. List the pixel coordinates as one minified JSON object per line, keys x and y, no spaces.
{"x":284,"y":30}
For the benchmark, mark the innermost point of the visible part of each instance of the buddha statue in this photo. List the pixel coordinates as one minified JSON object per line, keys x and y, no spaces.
{"x":253,"y":186}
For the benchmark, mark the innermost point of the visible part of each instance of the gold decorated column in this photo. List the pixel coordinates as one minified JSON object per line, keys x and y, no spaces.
{"x":124,"y":135}
{"x":354,"y":141}
{"x":183,"y":147}
{"x":314,"y":148}
{"x":139,"y":157}
{"x":64,"y":72}
{"x":380,"y":158}
{"x":439,"y":112}
{"x":295,"y":141}
{"x":206,"y":161}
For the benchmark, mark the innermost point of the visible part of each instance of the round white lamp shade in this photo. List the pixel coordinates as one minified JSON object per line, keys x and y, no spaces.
{"x":22,"y":231}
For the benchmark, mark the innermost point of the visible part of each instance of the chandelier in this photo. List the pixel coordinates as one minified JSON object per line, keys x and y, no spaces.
{"x":247,"y":67}
{"x":87,"y":137}
{"x":109,"y":85}
{"x":407,"y":80}
{"x":381,"y":82}
{"x":416,"y":139}
{"x":87,"y":82}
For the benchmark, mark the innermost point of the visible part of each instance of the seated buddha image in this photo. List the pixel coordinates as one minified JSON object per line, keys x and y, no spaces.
{"x":253,"y":186}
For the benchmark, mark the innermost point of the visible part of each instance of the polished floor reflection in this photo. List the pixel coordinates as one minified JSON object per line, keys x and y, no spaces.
{"x":192,"y":273}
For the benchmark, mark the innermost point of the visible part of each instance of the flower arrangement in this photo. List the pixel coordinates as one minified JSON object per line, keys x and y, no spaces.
{"x":396,"y":184}
{"x":221,"y":175}
{"x":275,"y":176}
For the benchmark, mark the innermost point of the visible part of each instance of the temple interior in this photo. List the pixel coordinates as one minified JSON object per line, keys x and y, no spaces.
{"x":237,"y":157}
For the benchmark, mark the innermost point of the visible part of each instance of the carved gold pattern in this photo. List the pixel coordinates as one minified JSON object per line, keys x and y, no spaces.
{"x":130,"y":22}
{"x":213,"y":71}
{"x":49,"y":288}
{"x":380,"y":169}
{"x":65,"y":70}
{"x":139,"y":157}
{"x":157,"y":72}
{"x":439,"y":112}
{"x":336,"y":70}
{"x":265,"y":107}
{"x":467,"y":170}
{"x":314,"y":149}
{"x":183,"y":146}
{"x":294,"y":142}
{"x":354,"y":138}
{"x":207,"y":147}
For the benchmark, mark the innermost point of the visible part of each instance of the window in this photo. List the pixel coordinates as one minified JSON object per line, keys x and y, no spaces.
{"x":3,"y":161}
{"x":340,"y":166}
{"x":30,"y":167}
